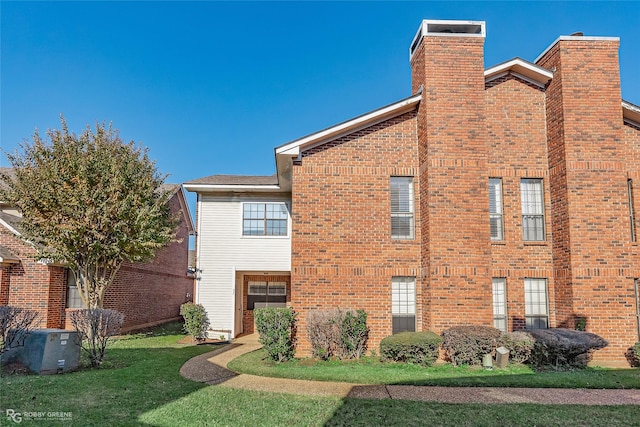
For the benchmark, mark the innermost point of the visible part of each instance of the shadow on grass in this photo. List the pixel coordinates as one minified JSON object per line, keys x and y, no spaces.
{"x":367,"y":412}
{"x":133,"y":381}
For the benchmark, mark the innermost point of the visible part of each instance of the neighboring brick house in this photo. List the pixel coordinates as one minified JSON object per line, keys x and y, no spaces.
{"x":500,"y":196}
{"x":147,"y":294}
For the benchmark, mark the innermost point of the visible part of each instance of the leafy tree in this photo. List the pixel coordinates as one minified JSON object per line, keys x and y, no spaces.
{"x":89,"y":201}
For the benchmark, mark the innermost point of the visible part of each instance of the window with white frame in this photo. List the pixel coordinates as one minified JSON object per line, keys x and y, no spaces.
{"x":73,"y":294}
{"x":536,"y":308}
{"x":266,"y":294}
{"x":495,"y":208}
{"x":257,"y":288}
{"x":403,"y":304}
{"x":402,"y":209}
{"x":632,"y":219}
{"x":264,"y":219}
{"x":531,"y":194}
{"x":500,"y":303}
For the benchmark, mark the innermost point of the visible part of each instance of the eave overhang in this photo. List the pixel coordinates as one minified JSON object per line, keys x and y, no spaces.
{"x":201,"y":188}
{"x":522,"y":69}
{"x":294,"y":148}
{"x":631,"y":113}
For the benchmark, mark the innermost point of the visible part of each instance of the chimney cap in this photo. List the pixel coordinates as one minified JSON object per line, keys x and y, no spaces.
{"x":446,"y":28}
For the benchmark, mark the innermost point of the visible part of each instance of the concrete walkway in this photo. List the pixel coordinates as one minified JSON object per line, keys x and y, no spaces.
{"x":211,"y":368}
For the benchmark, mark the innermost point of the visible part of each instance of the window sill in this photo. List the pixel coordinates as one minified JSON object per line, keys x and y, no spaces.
{"x":533,"y":243}
{"x":498,"y":242}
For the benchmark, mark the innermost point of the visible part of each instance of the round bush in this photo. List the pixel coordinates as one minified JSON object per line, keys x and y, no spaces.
{"x":420,"y":348}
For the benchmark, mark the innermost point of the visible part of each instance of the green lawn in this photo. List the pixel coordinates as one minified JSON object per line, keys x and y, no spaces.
{"x":371,"y":371}
{"x":140,"y":385}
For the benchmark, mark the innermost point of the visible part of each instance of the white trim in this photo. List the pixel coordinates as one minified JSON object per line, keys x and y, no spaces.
{"x":369,"y":119}
{"x":231,"y":187}
{"x":196,"y":280}
{"x":423,"y":31}
{"x":265,"y":236}
{"x":574,"y":38}
{"x":631,"y":113}
{"x":525,"y":70}
{"x":10,"y":228}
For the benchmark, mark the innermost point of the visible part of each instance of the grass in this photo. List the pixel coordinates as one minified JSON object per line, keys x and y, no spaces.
{"x":140,"y":385}
{"x":371,"y":371}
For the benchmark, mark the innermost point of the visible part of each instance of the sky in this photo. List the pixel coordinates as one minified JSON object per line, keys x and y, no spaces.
{"x":213,"y":87}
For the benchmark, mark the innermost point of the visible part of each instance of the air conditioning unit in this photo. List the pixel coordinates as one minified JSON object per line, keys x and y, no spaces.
{"x":51,"y":351}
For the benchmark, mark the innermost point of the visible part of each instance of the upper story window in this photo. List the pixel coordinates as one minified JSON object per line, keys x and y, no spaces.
{"x":495,"y":208}
{"x":402,"y":209}
{"x":264,"y":219}
{"x":632,"y":218}
{"x":531,"y":194}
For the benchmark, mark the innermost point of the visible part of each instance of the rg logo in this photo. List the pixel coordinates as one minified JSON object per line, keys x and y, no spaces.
{"x":14,"y":416}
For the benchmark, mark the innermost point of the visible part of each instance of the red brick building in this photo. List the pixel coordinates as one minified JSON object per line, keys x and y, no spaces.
{"x":502,"y":196}
{"x":147,"y":294}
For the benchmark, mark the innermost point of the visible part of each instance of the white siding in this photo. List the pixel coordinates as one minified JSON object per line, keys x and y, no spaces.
{"x":223,"y":250}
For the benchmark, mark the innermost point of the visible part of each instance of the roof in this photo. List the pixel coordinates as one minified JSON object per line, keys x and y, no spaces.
{"x":11,"y":222}
{"x":631,"y":112}
{"x":524,"y":69}
{"x":7,"y":257}
{"x":236,"y":180}
{"x":341,"y":129}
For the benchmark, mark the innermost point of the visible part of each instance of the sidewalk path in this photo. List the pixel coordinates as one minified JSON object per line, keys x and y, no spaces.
{"x":211,"y":368}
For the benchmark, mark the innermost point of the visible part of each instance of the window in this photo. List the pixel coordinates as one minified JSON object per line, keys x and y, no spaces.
{"x":402,"y":207}
{"x":277,"y":288}
{"x":632,"y":219}
{"x":403,"y":304}
{"x":531,"y":194}
{"x":266,"y":294}
{"x":500,"y":304}
{"x":257,"y":288}
{"x":535,"y":303}
{"x":73,"y":295}
{"x":264,"y":219}
{"x":495,"y":208}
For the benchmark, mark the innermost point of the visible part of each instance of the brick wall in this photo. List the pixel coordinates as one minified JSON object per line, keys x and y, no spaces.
{"x":592,"y":244}
{"x":342,"y":251}
{"x":453,"y":153}
{"x":516,"y":137}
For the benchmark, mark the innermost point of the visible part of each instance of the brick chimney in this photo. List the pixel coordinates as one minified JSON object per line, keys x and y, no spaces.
{"x":590,"y":167}
{"x":447,"y":62}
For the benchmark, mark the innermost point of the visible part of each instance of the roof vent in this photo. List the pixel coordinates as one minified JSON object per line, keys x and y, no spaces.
{"x":440,"y":28}
{"x":577,"y":34}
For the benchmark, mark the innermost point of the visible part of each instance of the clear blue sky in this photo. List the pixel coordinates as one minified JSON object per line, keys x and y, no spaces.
{"x":213,"y":87}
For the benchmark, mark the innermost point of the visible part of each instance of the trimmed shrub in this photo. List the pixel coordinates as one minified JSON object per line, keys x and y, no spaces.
{"x":420,"y":348}
{"x":196,"y":320}
{"x":276,"y":327}
{"x":520,"y":345}
{"x":354,"y":334}
{"x":467,"y":344}
{"x":95,"y":327}
{"x":337,"y":333}
{"x":564,"y":348}
{"x":323,"y":327}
